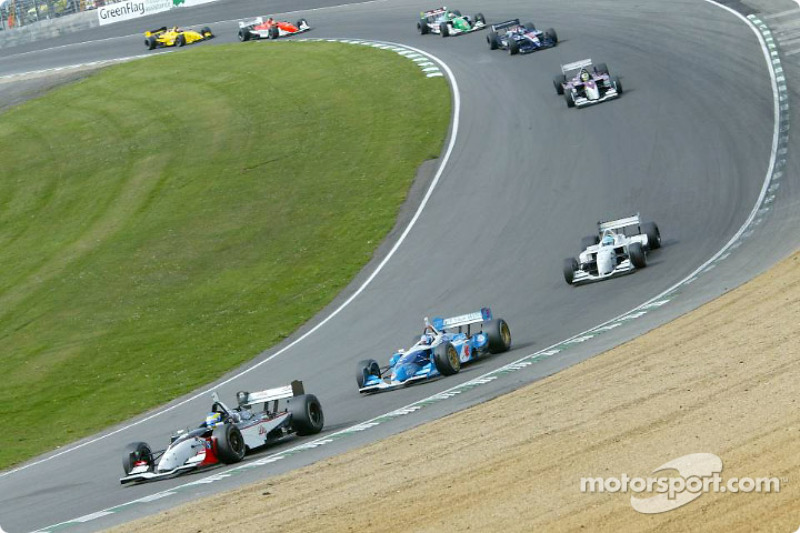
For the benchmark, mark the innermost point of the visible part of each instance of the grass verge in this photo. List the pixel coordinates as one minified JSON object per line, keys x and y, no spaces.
{"x":165,"y":220}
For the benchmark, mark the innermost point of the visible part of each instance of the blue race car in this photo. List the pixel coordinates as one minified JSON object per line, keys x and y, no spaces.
{"x":442,"y":348}
{"x":520,"y":38}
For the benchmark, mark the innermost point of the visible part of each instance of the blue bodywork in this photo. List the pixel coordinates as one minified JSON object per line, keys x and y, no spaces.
{"x":528,"y":39}
{"x":417,"y":363}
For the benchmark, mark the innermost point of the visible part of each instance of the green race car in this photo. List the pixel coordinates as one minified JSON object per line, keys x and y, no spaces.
{"x":448,"y":22}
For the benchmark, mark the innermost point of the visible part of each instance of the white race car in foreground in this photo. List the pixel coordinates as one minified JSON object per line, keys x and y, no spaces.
{"x":619,"y":247}
{"x":227,"y":434}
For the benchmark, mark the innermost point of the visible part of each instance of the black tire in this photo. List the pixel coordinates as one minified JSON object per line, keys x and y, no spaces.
{"x":551,"y":33}
{"x":479,"y":18}
{"x":558,"y":83}
{"x":136,"y":451}
{"x":307,"y":415}
{"x":601,"y":68}
{"x":366,"y":368}
{"x":151,"y":42}
{"x":568,"y":97}
{"x":617,"y":84}
{"x":180,"y":40}
{"x":445,"y":357}
{"x":513,"y":47}
{"x":444,"y":29}
{"x":570,"y":266}
{"x":636,"y":254}
{"x":492,"y":40}
{"x":653,"y":235}
{"x":456,"y":12}
{"x":422,"y":27}
{"x":499,"y":335}
{"x":274,"y":32}
{"x":207,"y":33}
{"x":230,"y":443}
{"x":244,"y":35}
{"x":588,"y":241}
{"x":530,"y":26}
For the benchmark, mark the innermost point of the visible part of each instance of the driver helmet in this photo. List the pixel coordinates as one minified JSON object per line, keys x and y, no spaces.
{"x":213,"y":420}
{"x":426,"y":338}
{"x":607,"y":239}
{"x":451,"y":15}
{"x":585,"y":76}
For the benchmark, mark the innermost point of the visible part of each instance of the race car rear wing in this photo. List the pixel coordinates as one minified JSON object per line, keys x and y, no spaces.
{"x":252,"y":22}
{"x":505,"y":25}
{"x":153,"y":32}
{"x":632,"y":220}
{"x":437,"y":11}
{"x":484,"y":315}
{"x":246,"y":399}
{"x":577,"y":65}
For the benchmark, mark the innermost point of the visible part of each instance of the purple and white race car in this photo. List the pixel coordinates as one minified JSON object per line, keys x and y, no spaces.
{"x":583,"y":84}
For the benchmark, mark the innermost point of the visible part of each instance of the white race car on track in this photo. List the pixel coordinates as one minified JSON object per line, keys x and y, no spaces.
{"x":619,"y":247}
{"x":227,"y":434}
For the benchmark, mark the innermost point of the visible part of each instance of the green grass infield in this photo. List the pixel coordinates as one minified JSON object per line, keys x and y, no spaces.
{"x":166,"y":220}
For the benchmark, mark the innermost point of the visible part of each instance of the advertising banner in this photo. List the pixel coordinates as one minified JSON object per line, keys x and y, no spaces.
{"x":131,"y":9}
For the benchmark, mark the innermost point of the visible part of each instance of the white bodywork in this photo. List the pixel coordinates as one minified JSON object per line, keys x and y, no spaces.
{"x":611,"y":254}
{"x":592,"y":91}
{"x":264,"y":34}
{"x":188,"y":449}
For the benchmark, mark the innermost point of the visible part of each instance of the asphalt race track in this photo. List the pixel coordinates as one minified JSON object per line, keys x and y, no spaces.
{"x":688,"y":145}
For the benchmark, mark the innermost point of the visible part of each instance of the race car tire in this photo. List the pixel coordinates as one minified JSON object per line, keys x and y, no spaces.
{"x":366,"y":368}
{"x":617,"y":84}
{"x":653,"y":235}
{"x":180,"y":40}
{"x":558,"y":83}
{"x":456,"y":12}
{"x":601,"y":68}
{"x":636,"y":253}
{"x":568,"y":97}
{"x":570,"y":266}
{"x":499,"y":335}
{"x":513,"y":47}
{"x":207,"y":33}
{"x":479,"y":18}
{"x":307,"y":415}
{"x":551,"y":33}
{"x":422,"y":27}
{"x":588,"y":241}
{"x":301,"y":23}
{"x":445,"y":357}
{"x":444,"y":29}
{"x":492,"y":40}
{"x":274,"y":33}
{"x":530,"y":26}
{"x":151,"y":42}
{"x":230,"y":443}
{"x":136,"y":451}
{"x":244,"y":35}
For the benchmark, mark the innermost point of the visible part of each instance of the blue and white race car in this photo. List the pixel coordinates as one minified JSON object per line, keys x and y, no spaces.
{"x":520,"y":38}
{"x":445,"y":344}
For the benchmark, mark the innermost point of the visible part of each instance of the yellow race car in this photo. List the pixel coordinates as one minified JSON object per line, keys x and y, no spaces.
{"x":175,"y":36}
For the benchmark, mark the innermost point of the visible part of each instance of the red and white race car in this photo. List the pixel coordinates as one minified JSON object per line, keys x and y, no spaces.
{"x":269,"y":28}
{"x":227,"y":434}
